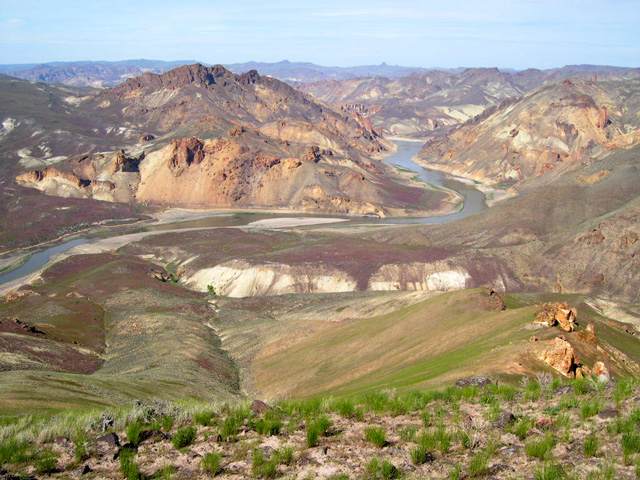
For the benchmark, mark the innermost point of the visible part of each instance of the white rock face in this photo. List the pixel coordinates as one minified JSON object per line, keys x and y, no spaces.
{"x":420,"y":276}
{"x":241,"y":279}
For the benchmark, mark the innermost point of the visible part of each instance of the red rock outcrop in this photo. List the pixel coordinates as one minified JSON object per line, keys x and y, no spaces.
{"x":551,"y":314}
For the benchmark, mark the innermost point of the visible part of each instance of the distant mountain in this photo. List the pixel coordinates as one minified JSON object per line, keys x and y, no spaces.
{"x":305,"y":72}
{"x":93,"y":74}
{"x":109,"y":74}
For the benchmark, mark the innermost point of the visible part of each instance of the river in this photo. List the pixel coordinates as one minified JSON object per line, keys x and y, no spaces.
{"x":473,"y":203}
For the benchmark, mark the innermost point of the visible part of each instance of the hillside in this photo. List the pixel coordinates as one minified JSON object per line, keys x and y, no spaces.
{"x":203,"y":136}
{"x":555,"y":128}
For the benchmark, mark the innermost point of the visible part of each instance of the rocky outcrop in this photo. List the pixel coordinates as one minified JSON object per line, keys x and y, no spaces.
{"x":561,"y":356}
{"x":239,"y":278}
{"x":439,"y":276}
{"x":551,"y":314}
{"x":186,"y":152}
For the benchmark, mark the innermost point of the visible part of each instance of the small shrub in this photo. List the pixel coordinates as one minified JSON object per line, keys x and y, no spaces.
{"x":203,"y":418}
{"x":591,"y":445}
{"x":454,"y":473}
{"x":623,"y":390}
{"x":323,"y":423}
{"x":133,"y":432}
{"x":184,"y":437}
{"x":549,"y":471}
{"x":166,"y":473}
{"x":211,"y":463}
{"x":540,"y":448}
{"x":376,"y":435}
{"x":128,"y":465}
{"x":443,"y":439}
{"x":522,"y":427}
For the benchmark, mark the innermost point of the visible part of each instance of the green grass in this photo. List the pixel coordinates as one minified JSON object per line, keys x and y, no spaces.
{"x":540,"y":447}
{"x":479,"y":463}
{"x":591,"y":407}
{"x":204,"y":418}
{"x":630,"y":444}
{"x":316,"y":428}
{"x":46,"y":462}
{"x":376,"y":435}
{"x":128,"y":466}
{"x":211,"y":463}
{"x":549,"y":471}
{"x":133,"y":432}
{"x":591,"y":445}
{"x":184,"y":437}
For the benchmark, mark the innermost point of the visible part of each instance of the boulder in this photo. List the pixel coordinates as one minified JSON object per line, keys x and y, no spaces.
{"x":601,"y":371}
{"x":561,"y":356}
{"x":258,"y":407}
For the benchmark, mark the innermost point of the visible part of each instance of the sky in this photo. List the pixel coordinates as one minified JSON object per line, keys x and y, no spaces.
{"x":419,"y":33}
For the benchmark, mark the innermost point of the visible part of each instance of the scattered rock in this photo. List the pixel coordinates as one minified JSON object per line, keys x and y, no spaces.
{"x":153,"y":434}
{"x":504,"y":420}
{"x":609,"y":413}
{"x":476,"y":381}
{"x":533,"y":339}
{"x":258,"y":407}
{"x":561,"y":356}
{"x":110,"y":439}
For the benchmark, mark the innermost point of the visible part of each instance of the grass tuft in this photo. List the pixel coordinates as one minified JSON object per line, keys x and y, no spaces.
{"x":376,"y":435}
{"x":184,"y":437}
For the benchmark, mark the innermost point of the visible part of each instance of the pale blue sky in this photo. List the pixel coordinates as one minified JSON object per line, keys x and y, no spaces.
{"x":444,"y":33}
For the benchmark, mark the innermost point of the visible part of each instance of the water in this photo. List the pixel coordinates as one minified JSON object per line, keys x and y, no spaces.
{"x":473,"y":203}
{"x":474,"y":200}
{"x":39,"y":259}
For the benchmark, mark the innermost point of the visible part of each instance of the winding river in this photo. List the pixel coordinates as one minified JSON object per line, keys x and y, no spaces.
{"x":473,"y":203}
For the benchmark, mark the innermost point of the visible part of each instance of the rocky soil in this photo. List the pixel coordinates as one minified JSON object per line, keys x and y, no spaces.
{"x":479,"y":428}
